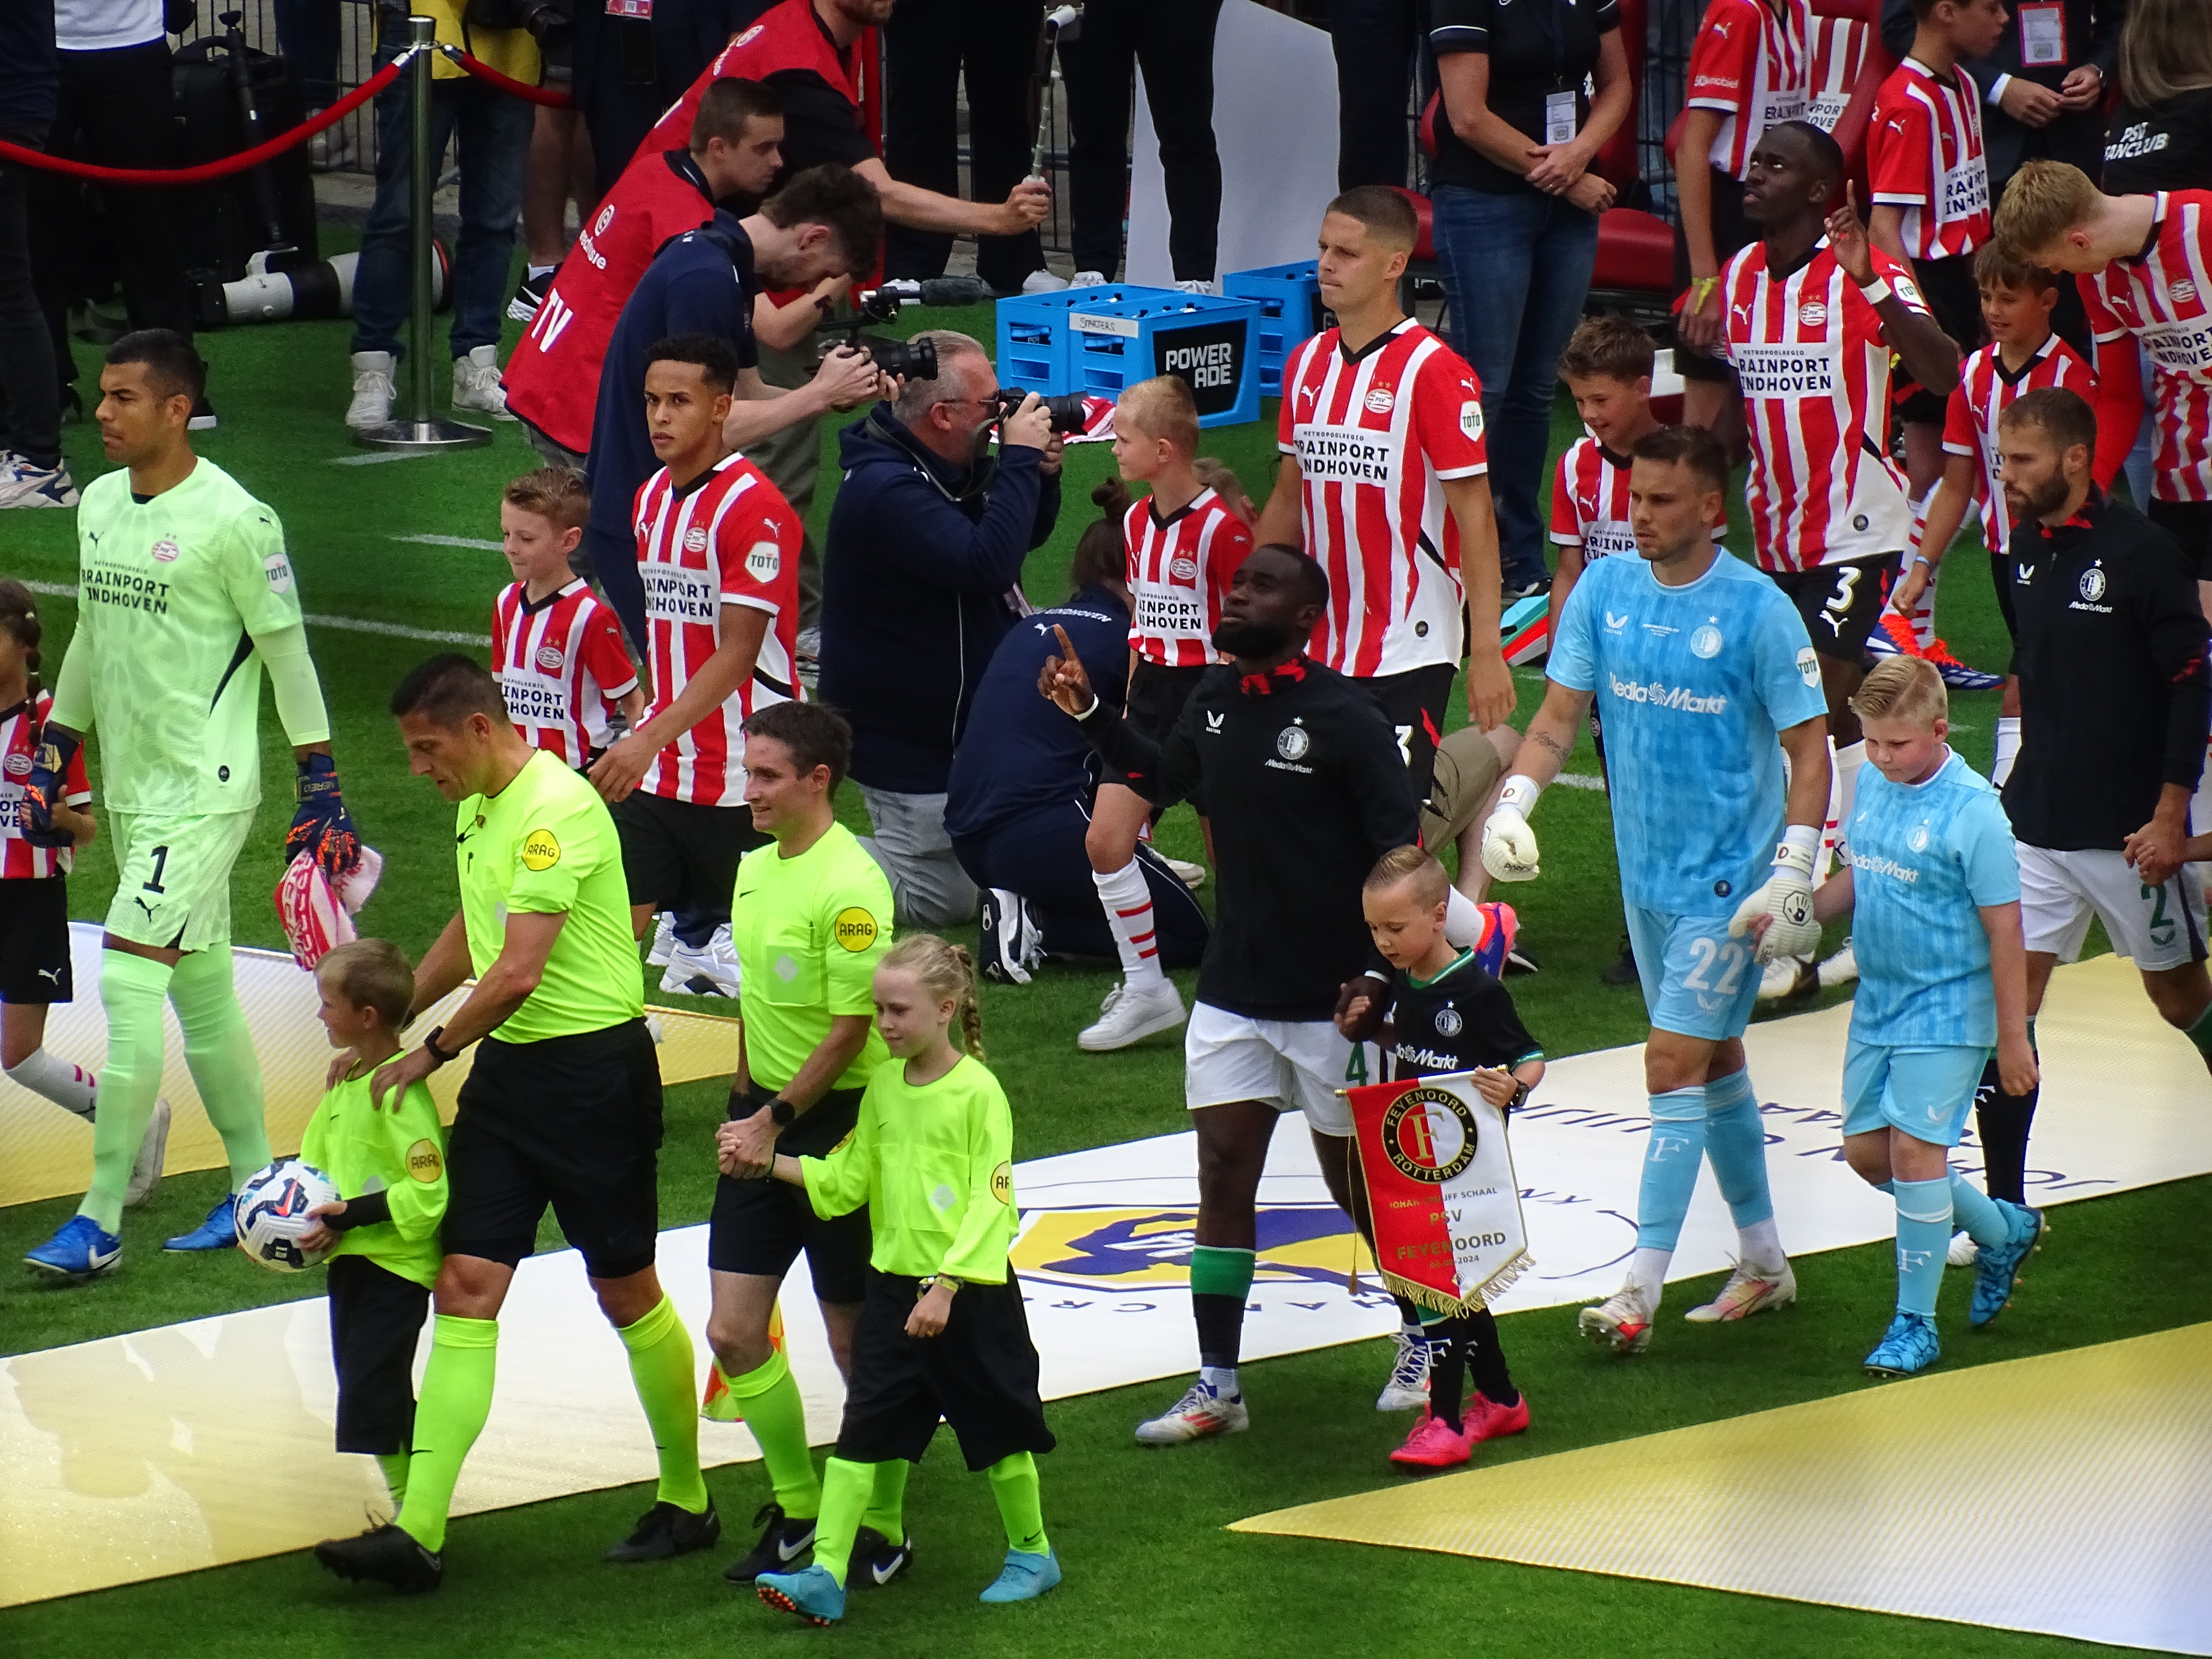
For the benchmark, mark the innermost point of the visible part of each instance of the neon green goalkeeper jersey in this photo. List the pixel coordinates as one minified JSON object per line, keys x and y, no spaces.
{"x":171,"y":594}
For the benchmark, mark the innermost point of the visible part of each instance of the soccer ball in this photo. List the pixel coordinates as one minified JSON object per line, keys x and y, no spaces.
{"x":272,"y":1213}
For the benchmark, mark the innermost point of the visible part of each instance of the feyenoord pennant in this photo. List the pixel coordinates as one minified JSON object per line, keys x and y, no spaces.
{"x":1440,"y":1184}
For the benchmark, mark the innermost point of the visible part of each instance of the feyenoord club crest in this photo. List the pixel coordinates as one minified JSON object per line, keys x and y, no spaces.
{"x":1441,"y":1187}
{"x":2093,"y":583}
{"x":1292,"y":743}
{"x":1429,"y":1135}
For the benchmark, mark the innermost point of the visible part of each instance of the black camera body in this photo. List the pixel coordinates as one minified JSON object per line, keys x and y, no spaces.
{"x":905,"y":360}
{"x":1065,"y":408}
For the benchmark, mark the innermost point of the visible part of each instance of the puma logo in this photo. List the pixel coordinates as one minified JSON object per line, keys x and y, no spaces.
{"x":142,"y":905}
{"x":52,"y":974}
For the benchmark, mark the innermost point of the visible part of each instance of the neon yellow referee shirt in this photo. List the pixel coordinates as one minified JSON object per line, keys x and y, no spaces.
{"x":809,"y":931}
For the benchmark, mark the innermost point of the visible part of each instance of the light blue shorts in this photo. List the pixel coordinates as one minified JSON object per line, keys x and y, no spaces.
{"x":1926,"y":1092}
{"x":1697,"y":982}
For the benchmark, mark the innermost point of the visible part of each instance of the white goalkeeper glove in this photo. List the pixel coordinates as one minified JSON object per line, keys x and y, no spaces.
{"x":1509,"y":845}
{"x":1785,"y":899}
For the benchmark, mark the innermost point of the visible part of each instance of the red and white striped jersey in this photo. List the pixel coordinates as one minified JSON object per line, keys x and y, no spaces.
{"x":1179,"y":570}
{"x":1814,"y":371}
{"x":19,"y":731}
{"x":1838,"y":48}
{"x":562,"y":665}
{"x":1374,"y":436}
{"x":2164,"y":298}
{"x":1985,"y":388}
{"x":1750,"y":64}
{"x":728,"y":537}
{"x":1589,"y":502}
{"x":1925,"y":156}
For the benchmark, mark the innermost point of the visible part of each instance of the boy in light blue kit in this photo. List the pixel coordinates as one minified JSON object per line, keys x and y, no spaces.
{"x":1943,"y":980}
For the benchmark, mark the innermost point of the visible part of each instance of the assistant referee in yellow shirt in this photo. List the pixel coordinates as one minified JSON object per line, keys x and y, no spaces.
{"x":561,"y":1106}
{"x":810,"y":917}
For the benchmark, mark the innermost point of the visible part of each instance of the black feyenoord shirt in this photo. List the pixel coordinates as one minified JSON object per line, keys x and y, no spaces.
{"x":2114,"y":695}
{"x":1306,"y":789}
{"x":1461,"y":1020}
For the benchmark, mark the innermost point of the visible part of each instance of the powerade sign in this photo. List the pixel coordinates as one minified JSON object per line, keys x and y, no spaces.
{"x":1209,"y":356}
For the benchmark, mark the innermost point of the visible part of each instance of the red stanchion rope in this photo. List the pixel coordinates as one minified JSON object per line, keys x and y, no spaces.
{"x":207,"y":170}
{"x":485,"y":72}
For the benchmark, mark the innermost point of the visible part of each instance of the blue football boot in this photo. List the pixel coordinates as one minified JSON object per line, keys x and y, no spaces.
{"x":1996,"y":1267}
{"x":79,"y":1252}
{"x":218,"y":1233}
{"x":1908,"y":1348}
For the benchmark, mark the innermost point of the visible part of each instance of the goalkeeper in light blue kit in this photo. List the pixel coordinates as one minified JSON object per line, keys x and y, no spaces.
{"x":185,"y":596}
{"x":1933,"y":886}
{"x":1703,"y":678}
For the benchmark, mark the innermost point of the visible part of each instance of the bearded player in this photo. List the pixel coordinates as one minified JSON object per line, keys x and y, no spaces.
{"x":185,"y":597}
{"x":1701,"y":669}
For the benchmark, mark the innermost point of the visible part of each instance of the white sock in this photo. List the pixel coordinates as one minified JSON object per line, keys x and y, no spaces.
{"x":1844,"y":789}
{"x":1647,"y":1271}
{"x":1222,"y":1379}
{"x":2007,"y":749}
{"x":1462,"y":921}
{"x":2200,"y":805}
{"x":1128,"y":902}
{"x":1760,"y":1246}
{"x":536,"y":271}
{"x":1923,"y":608}
{"x":69,"y":1087}
{"x":1829,"y":830}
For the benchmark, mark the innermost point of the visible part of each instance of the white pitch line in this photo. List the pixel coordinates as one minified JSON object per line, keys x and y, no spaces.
{"x":378,"y":457}
{"x":342,"y":624}
{"x":1581,"y":780}
{"x":452,"y":541}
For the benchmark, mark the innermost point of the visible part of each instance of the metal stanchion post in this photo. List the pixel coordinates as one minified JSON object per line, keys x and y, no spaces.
{"x":419,"y":432}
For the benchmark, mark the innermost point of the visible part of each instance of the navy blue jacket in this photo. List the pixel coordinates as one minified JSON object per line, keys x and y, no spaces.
{"x":918,"y":588}
{"x":1019,"y":752}
{"x":28,"y":80}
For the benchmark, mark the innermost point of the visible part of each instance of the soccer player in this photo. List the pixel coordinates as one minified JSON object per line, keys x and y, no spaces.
{"x":1307,"y":787}
{"x":2023,"y":356}
{"x":1933,"y":889}
{"x":1446,"y":1014}
{"x":1182,"y":545}
{"x":813,"y":918}
{"x":717,"y":551}
{"x":943,"y":1337}
{"x":1703,"y":671}
{"x":384,"y":1239}
{"x":1812,"y":315}
{"x":1383,"y":483}
{"x":557,"y":650}
{"x":185,"y":595}
{"x":561,"y":1107}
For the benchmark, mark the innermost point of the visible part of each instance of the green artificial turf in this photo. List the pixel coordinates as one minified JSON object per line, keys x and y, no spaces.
{"x":1149,"y":1568}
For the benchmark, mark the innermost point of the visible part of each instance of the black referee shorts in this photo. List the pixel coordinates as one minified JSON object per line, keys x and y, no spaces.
{"x":572,"y":1122}
{"x":679,"y":856}
{"x":1414,"y":703}
{"x":1157,"y":697}
{"x":2189,"y":523}
{"x":759,"y":1227}
{"x":376,"y":1318}
{"x":1954,"y":300}
{"x":979,"y":1374}
{"x":35,"y":942}
{"x":1841,"y":603}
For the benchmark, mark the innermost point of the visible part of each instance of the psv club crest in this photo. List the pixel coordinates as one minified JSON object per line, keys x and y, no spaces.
{"x":1429,"y":1135}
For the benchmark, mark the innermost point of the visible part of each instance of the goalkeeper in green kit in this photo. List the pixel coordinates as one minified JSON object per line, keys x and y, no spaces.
{"x":185,"y":596}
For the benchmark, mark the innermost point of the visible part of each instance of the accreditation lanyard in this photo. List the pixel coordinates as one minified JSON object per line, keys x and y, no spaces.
{"x":1560,"y":107}
{"x":2042,"y":35}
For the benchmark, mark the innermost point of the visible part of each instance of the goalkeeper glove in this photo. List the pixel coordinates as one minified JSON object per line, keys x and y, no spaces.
{"x":321,"y":825}
{"x":47,"y":786}
{"x":1785,"y":899}
{"x":1509,"y":845}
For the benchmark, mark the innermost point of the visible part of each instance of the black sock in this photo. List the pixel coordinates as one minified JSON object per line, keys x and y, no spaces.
{"x":1486,"y":1359}
{"x":2002,"y":1122}
{"x":1447,"y":1373}
{"x":1221,"y":1321}
{"x":1408,"y":1315}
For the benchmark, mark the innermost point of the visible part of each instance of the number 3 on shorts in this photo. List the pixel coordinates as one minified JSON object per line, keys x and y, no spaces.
{"x":1838,"y":604}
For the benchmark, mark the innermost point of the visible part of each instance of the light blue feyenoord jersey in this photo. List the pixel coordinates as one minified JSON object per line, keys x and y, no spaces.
{"x":1691,"y":684}
{"x":1924,"y":859}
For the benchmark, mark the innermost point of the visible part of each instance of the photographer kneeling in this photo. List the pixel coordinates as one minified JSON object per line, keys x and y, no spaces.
{"x":921,"y":581}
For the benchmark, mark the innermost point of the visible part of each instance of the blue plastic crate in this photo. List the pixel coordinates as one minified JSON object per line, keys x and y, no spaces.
{"x":1034,"y":338}
{"x":1208,"y":341}
{"x":1290,"y":313}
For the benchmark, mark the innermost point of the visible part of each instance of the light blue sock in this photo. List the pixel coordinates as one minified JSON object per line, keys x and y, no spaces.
{"x":1978,"y":1213}
{"x":1670,"y":1167}
{"x":1923,"y":1235}
{"x":1735,"y":1141}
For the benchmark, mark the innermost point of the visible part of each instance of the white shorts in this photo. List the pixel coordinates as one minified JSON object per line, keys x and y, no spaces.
{"x":1294,"y":1064}
{"x":2155,"y":927}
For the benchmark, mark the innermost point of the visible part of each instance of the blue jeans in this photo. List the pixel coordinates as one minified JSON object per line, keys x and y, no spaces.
{"x":1516,"y":269}
{"x":495,"y":144}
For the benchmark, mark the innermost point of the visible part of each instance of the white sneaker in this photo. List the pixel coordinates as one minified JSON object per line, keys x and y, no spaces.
{"x":1011,"y":950}
{"x":655,"y":1030}
{"x":1621,"y":1323}
{"x":330,"y":148}
{"x":476,"y":383}
{"x":1191,"y":876}
{"x":1962,"y":1252}
{"x":1840,"y":969}
{"x":1199,"y":1415}
{"x":709,"y":971}
{"x":1748,"y":1290}
{"x":373,"y":389}
{"x":1787,"y":977}
{"x":153,"y":1151}
{"x":22,"y":485}
{"x":1128,"y":1015}
{"x":1088,"y":279}
{"x":664,"y":941}
{"x":1043,"y":281}
{"x":1407,"y":1388}
{"x":1194,"y":286}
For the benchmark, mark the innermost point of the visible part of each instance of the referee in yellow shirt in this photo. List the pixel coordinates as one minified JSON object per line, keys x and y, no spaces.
{"x":810,"y":917}
{"x":561,"y":1106}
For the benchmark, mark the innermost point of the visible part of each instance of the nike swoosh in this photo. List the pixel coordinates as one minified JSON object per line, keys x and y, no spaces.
{"x":789,"y":1552}
{"x":880,"y":1575}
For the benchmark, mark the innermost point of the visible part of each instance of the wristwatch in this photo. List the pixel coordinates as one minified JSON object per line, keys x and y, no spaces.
{"x":430,"y":1047}
{"x":950,"y":1284}
{"x":781,"y":1112}
{"x":1520,"y":1098}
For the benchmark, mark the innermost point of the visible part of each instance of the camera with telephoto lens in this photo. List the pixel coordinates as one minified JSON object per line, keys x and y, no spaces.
{"x":1066,"y":409}
{"x":904,"y":360}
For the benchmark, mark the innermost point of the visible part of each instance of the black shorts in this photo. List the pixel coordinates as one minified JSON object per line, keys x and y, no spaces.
{"x":1954,"y":300}
{"x":1414,"y":703}
{"x":676,"y":854}
{"x":760,"y":1227}
{"x":1157,"y":697}
{"x":2189,"y":523}
{"x":34,"y":941}
{"x":376,"y":1318}
{"x":1841,"y":602}
{"x":1730,"y":233}
{"x":979,"y":1374}
{"x":572,"y":1122}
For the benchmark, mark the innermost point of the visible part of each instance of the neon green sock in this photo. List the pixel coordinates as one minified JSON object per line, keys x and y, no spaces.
{"x":887,"y":1504}
{"x":394,"y":1465}
{"x":845,"y":1490}
{"x":665,"y":1373}
{"x":132,"y":989}
{"x":456,"y":1400}
{"x":769,"y":1397}
{"x":1021,"y":1504}
{"x":219,"y":1050}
